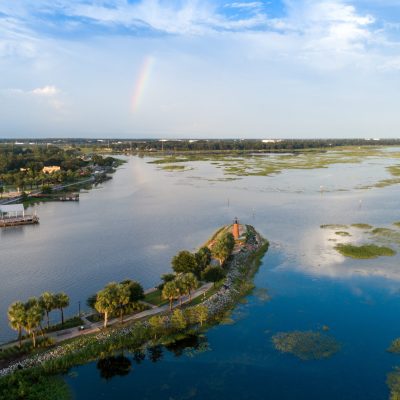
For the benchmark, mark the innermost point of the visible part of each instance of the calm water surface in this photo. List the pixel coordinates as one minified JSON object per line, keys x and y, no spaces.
{"x":132,"y":226}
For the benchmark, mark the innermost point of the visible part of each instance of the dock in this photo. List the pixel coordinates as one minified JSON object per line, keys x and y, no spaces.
{"x":26,"y":220}
{"x":14,"y":215}
{"x":55,"y":197}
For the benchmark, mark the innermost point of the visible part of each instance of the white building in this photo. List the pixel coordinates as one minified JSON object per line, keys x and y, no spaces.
{"x":12,"y":211}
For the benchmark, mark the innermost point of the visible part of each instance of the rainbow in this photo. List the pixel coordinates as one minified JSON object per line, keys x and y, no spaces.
{"x":141,"y":81}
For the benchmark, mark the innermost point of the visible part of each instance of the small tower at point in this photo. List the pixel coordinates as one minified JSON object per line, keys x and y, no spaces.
{"x":235,"y":229}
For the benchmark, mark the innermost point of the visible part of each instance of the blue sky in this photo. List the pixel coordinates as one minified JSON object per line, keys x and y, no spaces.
{"x":191,"y":68}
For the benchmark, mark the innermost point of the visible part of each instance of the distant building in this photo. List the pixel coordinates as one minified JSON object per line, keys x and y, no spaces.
{"x":271,"y":140}
{"x":12,"y":211}
{"x":50,"y":170}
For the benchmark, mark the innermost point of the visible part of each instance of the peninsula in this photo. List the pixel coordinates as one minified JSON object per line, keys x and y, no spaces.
{"x":204,"y":287}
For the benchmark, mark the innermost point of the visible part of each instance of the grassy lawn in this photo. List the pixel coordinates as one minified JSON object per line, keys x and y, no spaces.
{"x":364,"y":251}
{"x":69,"y":323}
{"x":155,"y":298}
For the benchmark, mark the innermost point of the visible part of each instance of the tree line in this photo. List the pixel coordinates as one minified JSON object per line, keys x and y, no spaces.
{"x":238,"y":144}
{"x":120,"y":299}
{"x":22,"y":167}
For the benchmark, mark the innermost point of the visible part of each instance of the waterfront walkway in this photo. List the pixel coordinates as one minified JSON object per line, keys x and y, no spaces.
{"x":93,"y":327}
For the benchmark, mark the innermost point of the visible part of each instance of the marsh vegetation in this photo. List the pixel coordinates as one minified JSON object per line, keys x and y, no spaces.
{"x":306,"y":345}
{"x":364,"y":251}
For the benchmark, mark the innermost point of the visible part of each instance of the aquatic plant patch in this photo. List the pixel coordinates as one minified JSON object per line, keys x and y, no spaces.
{"x":395,"y":346}
{"x":393,"y":382}
{"x":334,"y":226}
{"x":245,"y":164}
{"x":262,"y":294}
{"x":307,"y":345}
{"x":342,"y":233}
{"x":386,"y":235}
{"x":174,"y":167}
{"x":361,"y":226}
{"x":365,"y":251}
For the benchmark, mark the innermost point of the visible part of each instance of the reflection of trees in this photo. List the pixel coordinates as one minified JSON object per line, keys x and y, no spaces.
{"x":155,"y":353}
{"x":114,"y":366}
{"x":139,"y":356}
{"x":179,"y":346}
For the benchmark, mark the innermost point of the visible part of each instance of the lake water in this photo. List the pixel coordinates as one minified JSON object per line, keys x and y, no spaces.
{"x":131,"y":226}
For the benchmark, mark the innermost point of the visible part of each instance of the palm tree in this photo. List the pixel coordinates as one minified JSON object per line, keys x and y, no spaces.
{"x":123,"y":298}
{"x":61,"y":300}
{"x":47,"y":301}
{"x":34,"y":316}
{"x":189,"y":282}
{"x":180,"y":288}
{"x":170,"y":292}
{"x":16,"y":316}
{"x":108,"y":300}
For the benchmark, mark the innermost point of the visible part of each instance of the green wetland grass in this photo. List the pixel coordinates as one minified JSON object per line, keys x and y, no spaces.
{"x":393,"y":378}
{"x":239,"y":164}
{"x":343,"y":233}
{"x":365,"y":251}
{"x":361,"y":226}
{"x":334,"y":226}
{"x":307,"y":345}
{"x":265,"y":164}
{"x":174,"y":167}
{"x":395,"y":346}
{"x":386,"y":235}
{"x":262,"y":294}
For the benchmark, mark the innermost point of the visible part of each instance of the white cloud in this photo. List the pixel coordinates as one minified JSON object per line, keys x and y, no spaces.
{"x":325,"y":25}
{"x":45,"y":91}
{"x":253,"y":4}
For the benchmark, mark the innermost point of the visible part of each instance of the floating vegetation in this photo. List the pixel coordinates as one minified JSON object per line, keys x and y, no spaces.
{"x":393,"y":378}
{"x":325,"y":328}
{"x":362,"y":226}
{"x":393,"y":381}
{"x":394,"y":170}
{"x":395,"y":346}
{"x":397,"y":224}
{"x":334,"y":226}
{"x":306,"y":345}
{"x":174,"y":167}
{"x":203,"y":347}
{"x":365,"y":251}
{"x":245,"y":164}
{"x":342,"y":233}
{"x":387,"y":235}
{"x":262,"y":294}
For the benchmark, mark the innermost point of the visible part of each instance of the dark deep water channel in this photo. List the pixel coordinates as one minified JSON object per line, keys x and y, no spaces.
{"x":134,"y":224}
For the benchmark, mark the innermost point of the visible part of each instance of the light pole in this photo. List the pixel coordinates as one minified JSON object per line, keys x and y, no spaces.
{"x":79,"y":308}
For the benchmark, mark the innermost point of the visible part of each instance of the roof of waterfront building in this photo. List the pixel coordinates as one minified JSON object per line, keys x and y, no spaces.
{"x":12,"y":208}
